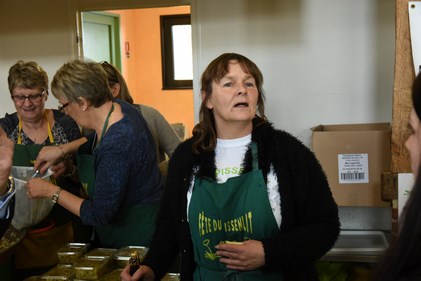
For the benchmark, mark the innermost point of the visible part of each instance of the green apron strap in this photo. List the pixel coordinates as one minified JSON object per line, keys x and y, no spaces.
{"x":255,"y":159}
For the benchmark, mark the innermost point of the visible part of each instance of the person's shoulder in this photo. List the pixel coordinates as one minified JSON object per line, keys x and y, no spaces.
{"x":149,"y":112}
{"x":277,"y":141}
{"x":184,"y":148}
{"x":9,"y":121}
{"x":10,"y":117}
{"x":147,"y":108}
{"x":183,"y":155}
{"x":267,"y":132}
{"x":130,"y":112}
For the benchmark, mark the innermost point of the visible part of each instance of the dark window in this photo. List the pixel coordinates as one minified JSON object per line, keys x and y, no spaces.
{"x":176,"y":59}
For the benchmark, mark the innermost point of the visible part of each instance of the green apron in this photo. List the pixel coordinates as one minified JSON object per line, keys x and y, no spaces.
{"x":85,"y":167}
{"x":236,"y":210}
{"x":25,"y":155}
{"x":44,"y":254}
{"x":133,"y":225}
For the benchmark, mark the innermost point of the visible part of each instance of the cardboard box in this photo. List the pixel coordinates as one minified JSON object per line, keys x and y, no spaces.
{"x":354,"y":156}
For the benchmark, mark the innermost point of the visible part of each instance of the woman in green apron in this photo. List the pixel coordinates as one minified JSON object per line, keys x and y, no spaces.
{"x":121,"y":174}
{"x":244,"y":201}
{"x":32,"y":127}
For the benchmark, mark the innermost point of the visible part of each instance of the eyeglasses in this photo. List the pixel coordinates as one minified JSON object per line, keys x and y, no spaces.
{"x":33,"y":98}
{"x":61,"y":107}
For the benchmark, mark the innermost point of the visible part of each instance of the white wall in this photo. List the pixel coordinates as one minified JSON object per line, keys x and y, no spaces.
{"x":324,"y":61}
{"x":29,"y":31}
{"x":45,"y":31}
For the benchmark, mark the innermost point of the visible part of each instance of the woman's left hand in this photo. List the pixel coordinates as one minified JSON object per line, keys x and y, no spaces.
{"x":39,"y":188}
{"x":248,"y":255}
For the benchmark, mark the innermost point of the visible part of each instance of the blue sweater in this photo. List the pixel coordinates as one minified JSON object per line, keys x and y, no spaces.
{"x":126,"y":170}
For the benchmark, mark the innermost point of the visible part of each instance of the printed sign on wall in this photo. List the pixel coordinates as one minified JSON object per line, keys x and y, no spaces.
{"x":415,"y":29}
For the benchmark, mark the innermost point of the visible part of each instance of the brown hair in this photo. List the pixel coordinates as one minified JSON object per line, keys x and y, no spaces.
{"x":114,"y":76}
{"x":27,"y":75}
{"x":205,"y":131}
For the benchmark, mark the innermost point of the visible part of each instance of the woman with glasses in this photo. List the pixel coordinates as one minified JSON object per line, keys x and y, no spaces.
{"x":165,"y":138}
{"x":30,"y":128}
{"x":124,"y":198}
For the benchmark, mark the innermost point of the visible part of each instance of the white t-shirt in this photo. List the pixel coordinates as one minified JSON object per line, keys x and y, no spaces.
{"x":229,"y":157}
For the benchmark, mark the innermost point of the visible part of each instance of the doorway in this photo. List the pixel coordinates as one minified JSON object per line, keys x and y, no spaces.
{"x":140,"y":55}
{"x":101,"y":37}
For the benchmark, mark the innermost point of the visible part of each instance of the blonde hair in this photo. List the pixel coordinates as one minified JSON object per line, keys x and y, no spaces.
{"x":82,"y":78}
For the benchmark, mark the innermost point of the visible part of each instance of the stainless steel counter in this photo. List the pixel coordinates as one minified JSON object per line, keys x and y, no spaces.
{"x":358,"y":246}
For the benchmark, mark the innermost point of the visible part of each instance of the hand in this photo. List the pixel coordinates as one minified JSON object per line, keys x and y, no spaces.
{"x":48,"y":156}
{"x":144,"y":273}
{"x":248,"y":255}
{"x":6,"y":159}
{"x":39,"y":188}
{"x":59,"y":169}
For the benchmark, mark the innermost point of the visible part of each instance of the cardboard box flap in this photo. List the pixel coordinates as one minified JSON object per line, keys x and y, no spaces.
{"x":352,"y":127}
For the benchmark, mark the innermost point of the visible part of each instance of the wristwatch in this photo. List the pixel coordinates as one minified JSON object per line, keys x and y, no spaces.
{"x":56,"y":195}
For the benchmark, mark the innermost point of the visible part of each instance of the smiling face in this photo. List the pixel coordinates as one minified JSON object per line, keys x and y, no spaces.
{"x":234,"y":102}
{"x":30,"y":108}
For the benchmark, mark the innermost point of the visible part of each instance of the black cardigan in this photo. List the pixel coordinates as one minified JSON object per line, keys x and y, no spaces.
{"x":310,"y":223}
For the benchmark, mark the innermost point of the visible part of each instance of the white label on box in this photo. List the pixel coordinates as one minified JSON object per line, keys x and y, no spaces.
{"x":353,"y":168}
{"x":405,"y":183}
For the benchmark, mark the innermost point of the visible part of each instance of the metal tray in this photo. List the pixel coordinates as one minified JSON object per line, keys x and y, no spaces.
{"x":361,"y":241}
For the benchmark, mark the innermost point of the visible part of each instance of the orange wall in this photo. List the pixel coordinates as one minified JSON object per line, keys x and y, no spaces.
{"x":142,"y":69}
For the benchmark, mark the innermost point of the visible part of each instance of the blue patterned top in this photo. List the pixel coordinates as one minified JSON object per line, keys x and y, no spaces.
{"x":64,"y":130}
{"x":126,"y":169}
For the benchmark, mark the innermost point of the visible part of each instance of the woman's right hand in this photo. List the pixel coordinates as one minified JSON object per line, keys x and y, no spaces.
{"x":144,"y":273}
{"x":47,"y":157}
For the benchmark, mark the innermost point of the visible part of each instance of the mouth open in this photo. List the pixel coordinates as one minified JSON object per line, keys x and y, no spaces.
{"x":241,"y":104}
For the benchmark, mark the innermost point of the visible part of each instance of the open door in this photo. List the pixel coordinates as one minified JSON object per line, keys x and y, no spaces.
{"x":101,"y":37}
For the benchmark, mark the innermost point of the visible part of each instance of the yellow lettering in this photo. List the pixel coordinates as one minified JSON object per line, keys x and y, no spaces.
{"x":250,"y":216}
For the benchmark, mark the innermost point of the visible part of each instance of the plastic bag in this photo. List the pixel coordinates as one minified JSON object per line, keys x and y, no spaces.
{"x":28,"y":212}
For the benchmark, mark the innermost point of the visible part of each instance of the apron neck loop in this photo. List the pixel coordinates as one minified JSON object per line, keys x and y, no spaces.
{"x":50,"y":134}
{"x":104,"y":128}
{"x":254,"y":156}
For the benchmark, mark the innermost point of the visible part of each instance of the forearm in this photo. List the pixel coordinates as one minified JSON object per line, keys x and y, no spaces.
{"x":51,"y":155}
{"x":70,"y":202}
{"x":39,"y":188}
{"x":72,"y":147}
